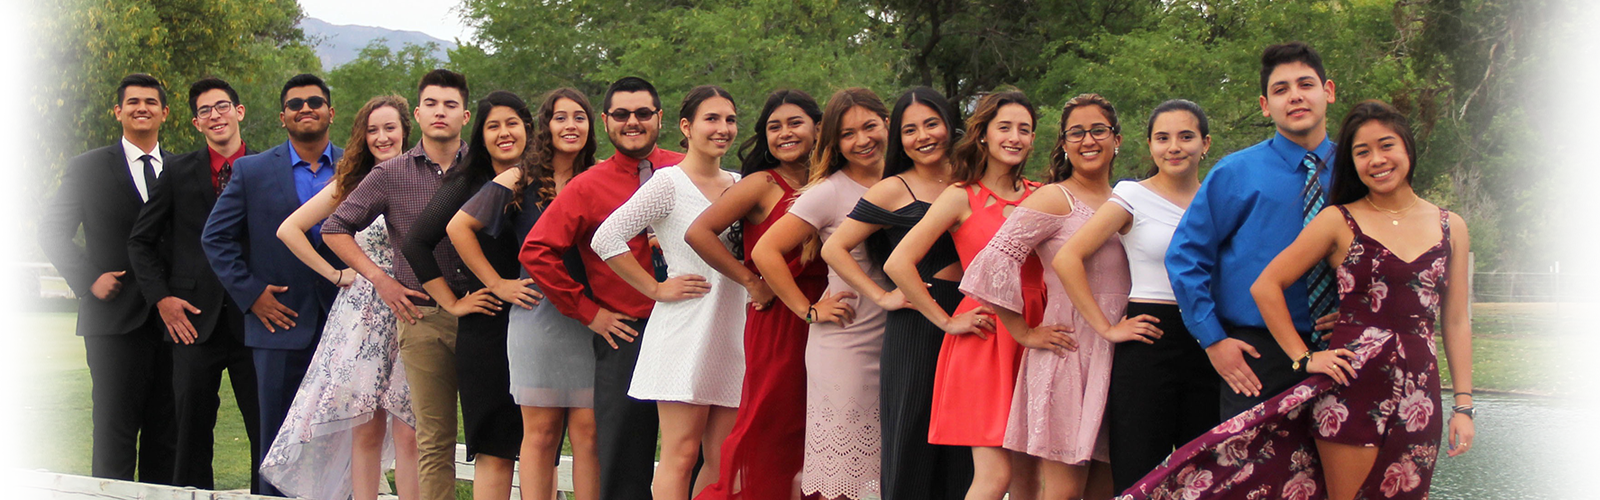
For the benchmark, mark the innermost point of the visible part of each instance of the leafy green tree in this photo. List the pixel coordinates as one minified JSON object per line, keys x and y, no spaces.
{"x":376,"y":71}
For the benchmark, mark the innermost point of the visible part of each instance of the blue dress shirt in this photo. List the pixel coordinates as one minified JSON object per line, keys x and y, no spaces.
{"x":1247,"y":211}
{"x":308,"y":183}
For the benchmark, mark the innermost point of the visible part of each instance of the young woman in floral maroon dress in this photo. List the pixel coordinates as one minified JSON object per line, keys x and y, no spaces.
{"x":1368,"y":425}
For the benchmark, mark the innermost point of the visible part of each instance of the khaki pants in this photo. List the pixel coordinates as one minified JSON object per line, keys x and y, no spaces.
{"x":428,"y":349}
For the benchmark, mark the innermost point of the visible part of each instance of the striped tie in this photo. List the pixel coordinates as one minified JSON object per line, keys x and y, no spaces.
{"x":1319,"y":282}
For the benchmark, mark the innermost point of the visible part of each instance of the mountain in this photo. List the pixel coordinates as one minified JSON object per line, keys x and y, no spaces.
{"x":337,"y":44}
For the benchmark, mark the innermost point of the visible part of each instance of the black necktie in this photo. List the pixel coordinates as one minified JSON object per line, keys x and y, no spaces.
{"x":149,"y":175}
{"x":223,"y":176}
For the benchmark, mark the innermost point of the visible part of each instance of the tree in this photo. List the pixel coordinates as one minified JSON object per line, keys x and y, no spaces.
{"x":376,"y":71}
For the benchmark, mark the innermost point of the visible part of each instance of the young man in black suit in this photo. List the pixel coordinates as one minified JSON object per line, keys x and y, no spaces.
{"x":205,"y":326}
{"x":130,"y":368}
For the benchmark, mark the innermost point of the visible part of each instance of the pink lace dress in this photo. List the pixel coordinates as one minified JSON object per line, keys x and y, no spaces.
{"x":1387,"y":313}
{"x":1058,"y":407}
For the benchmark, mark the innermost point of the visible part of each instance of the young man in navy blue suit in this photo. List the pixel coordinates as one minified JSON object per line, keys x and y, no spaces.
{"x":286,"y":300}
{"x":130,"y":369}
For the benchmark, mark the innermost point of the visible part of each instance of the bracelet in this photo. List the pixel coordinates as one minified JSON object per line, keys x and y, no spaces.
{"x":1463,"y":393}
{"x":811,"y":315}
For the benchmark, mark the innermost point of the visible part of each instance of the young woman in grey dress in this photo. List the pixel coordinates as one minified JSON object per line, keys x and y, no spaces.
{"x":551,"y":359}
{"x":842,"y":437}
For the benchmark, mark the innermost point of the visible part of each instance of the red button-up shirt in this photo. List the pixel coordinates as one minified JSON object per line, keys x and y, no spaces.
{"x":570,"y":221}
{"x":217,"y":160}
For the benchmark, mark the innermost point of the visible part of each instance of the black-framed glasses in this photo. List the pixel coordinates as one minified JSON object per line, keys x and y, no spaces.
{"x":316,"y":102}
{"x":1098,"y":132}
{"x":643,"y":114}
{"x":221,"y":107}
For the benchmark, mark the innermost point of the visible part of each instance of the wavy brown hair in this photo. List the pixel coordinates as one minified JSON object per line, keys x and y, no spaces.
{"x":537,"y":173}
{"x":1060,"y":166}
{"x":358,"y":160}
{"x":827,"y":158}
{"x":970,"y":156}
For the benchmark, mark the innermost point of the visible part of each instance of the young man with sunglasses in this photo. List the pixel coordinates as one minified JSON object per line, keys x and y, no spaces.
{"x":287,"y":301}
{"x":625,"y":428}
{"x":204,"y":326}
{"x":399,"y":189}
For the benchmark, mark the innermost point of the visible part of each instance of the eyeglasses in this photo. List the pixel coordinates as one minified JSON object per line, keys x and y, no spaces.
{"x":221,"y":107}
{"x":621,"y":115}
{"x":1099,"y":133}
{"x":316,"y":102}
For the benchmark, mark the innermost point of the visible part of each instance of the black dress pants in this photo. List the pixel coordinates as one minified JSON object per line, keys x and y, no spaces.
{"x":197,"y":378}
{"x":131,"y":376}
{"x":625,"y":428}
{"x":1273,"y":369}
{"x":1162,"y":396}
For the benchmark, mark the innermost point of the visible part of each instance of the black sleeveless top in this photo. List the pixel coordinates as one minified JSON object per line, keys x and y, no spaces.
{"x":900,"y":221}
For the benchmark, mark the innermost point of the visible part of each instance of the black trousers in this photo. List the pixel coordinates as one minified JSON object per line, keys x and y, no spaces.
{"x":131,"y":378}
{"x":1163,"y":395}
{"x":278,"y":376}
{"x":197,"y":378}
{"x":1272,"y":369}
{"x":625,"y":428}
{"x":912,"y":468}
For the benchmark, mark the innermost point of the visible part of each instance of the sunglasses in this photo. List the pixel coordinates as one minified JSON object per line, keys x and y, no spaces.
{"x":621,"y":115}
{"x":316,"y":102}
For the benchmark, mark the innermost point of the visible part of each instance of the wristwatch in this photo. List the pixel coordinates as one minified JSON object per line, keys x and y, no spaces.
{"x":1464,"y":410}
{"x":1300,"y":365}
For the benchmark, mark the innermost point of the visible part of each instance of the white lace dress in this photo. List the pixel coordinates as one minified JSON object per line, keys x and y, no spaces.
{"x":355,"y":371}
{"x":693,"y":349}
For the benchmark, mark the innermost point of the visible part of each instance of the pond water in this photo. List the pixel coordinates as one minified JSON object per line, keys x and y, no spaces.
{"x":1527,"y":447}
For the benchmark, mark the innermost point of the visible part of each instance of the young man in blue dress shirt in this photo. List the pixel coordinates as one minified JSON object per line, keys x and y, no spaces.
{"x":1250,"y":207}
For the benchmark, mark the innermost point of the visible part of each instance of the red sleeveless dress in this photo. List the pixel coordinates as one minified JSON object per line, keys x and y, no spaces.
{"x":976,"y":377}
{"x":763,"y":454}
{"x":1388,"y":310}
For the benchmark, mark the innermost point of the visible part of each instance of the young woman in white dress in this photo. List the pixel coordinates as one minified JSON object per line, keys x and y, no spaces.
{"x":692,"y":359}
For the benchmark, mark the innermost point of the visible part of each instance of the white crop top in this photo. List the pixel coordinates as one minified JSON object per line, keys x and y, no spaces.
{"x":1154,"y":220}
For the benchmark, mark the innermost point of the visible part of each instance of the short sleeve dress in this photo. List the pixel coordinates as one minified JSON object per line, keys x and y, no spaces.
{"x":843,"y":440}
{"x":693,"y":349}
{"x":1058,"y":407}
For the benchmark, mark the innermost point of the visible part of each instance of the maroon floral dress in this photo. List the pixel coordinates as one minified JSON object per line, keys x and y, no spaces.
{"x":1388,"y":309}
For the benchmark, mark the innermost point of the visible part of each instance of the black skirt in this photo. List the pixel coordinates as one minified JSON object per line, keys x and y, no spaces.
{"x":492,"y":420}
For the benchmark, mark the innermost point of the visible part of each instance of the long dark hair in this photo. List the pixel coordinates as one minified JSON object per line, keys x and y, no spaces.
{"x":358,"y":161}
{"x":1347,"y":185}
{"x":537,"y":173}
{"x":827,"y":158}
{"x":969,"y":157}
{"x":478,"y":166}
{"x":693,"y":100}
{"x":1172,"y":105}
{"x":896,"y":160}
{"x":1060,"y":165}
{"x":755,"y":155}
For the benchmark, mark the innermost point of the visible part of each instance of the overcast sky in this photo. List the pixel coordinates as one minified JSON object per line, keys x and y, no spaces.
{"x":437,"y":18}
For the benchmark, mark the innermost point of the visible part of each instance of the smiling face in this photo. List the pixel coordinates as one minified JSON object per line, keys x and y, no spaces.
{"x":140,"y":111}
{"x":862,"y":135}
{"x":1091,"y":155}
{"x":791,"y":134}
{"x":1175,"y":142}
{"x":307,"y":124}
{"x":631,"y":136}
{"x":569,"y":127}
{"x":713,"y":129}
{"x":924,"y":134}
{"x":385,"y":133}
{"x":441,"y":113}
{"x":505,"y":135}
{"x":218,"y":127}
{"x":1380,"y":158}
{"x":1297,"y":101}
{"x":1009,"y":136}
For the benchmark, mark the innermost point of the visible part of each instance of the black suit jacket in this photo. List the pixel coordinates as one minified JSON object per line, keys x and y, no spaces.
{"x":98,"y":194}
{"x":165,"y":244}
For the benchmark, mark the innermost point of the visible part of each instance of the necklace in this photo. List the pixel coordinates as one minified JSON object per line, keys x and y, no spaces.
{"x":1394,"y":215}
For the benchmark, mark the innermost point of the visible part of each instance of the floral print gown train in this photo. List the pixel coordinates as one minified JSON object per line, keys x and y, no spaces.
{"x":1388,"y":314}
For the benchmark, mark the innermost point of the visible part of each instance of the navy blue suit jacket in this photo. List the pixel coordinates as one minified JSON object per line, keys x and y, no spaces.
{"x":241,"y":242}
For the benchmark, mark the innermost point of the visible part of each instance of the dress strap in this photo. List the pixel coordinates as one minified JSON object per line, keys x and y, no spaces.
{"x":908,"y":187}
{"x":1444,"y":225}
{"x":1070,"y":198}
{"x":1348,"y":220}
{"x":782,"y":183}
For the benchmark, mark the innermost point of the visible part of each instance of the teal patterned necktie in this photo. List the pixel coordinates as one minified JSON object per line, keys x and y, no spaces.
{"x":1319,"y":282}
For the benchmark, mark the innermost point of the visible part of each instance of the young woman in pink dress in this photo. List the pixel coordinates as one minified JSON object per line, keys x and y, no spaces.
{"x":1367,"y":422}
{"x":1058,"y":407}
{"x":977,"y":365}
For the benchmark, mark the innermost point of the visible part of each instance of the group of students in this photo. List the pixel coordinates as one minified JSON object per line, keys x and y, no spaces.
{"x":878,"y":303}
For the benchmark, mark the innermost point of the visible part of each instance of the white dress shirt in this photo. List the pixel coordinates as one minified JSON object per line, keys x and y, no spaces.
{"x":136,"y":167}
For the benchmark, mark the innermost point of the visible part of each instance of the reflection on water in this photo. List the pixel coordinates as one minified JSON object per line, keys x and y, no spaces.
{"x":1525,"y":448}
